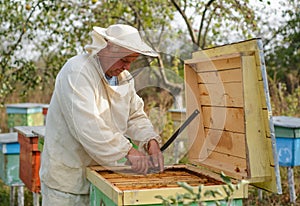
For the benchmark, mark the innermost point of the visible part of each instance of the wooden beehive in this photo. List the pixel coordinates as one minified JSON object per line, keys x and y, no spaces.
{"x":24,"y":114}
{"x":30,"y":156}
{"x":228,"y":85}
{"x":120,"y":186}
{"x":233,"y":133}
{"x":9,"y":159}
{"x":287,"y":132}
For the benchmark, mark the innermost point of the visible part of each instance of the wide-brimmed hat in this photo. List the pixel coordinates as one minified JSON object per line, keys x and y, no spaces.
{"x":126,"y":36}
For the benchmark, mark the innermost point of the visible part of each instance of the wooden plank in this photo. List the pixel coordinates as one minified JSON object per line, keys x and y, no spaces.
{"x":8,"y":137}
{"x":262,"y":94}
{"x":230,"y":142}
{"x":269,"y":144}
{"x":228,"y":94}
{"x":195,"y":130}
{"x":147,"y":197}
{"x":210,"y":65}
{"x":266,"y":119}
{"x":234,"y":167}
{"x":258,"y":149}
{"x":223,"y":118}
{"x":230,"y":75}
{"x":26,"y":131}
{"x":105,"y":186}
{"x":178,"y":116}
{"x":245,"y":46}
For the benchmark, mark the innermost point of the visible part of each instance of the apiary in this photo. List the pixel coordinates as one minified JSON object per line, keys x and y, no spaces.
{"x":21,"y":114}
{"x":233,"y":133}
{"x":30,"y":156}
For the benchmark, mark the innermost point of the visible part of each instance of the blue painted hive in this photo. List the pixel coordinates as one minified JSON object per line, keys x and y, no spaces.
{"x":9,"y":159}
{"x":287,"y":132}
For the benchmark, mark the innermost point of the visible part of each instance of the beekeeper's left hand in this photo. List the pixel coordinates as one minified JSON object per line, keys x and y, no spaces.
{"x":156,"y":156}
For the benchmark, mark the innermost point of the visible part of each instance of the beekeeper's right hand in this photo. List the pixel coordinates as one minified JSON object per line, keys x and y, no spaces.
{"x":138,"y":161}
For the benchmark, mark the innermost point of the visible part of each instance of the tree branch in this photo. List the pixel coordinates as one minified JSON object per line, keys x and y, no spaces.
{"x":202,"y":21}
{"x":185,"y":18}
{"x":9,"y":53}
{"x":206,"y":30}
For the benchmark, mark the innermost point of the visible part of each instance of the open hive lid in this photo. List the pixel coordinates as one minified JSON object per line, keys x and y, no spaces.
{"x":234,"y":132}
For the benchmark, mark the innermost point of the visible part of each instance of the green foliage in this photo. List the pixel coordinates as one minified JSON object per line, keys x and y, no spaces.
{"x":39,"y":37}
{"x":196,"y":196}
{"x":5,"y":196}
{"x":285,"y":56}
{"x":217,"y":21}
{"x":284,"y":102}
{"x":283,"y":62}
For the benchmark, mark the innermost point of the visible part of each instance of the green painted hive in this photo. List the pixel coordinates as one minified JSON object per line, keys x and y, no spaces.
{"x":24,"y":114}
{"x":10,"y":159}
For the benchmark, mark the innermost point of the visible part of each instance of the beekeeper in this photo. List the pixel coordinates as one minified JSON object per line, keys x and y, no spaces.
{"x":93,"y":111}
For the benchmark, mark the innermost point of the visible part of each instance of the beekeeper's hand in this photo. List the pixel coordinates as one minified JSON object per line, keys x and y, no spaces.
{"x":156,"y":156}
{"x":138,"y":160}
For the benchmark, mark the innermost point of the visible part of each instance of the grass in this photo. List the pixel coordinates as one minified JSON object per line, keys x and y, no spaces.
{"x":5,"y":196}
{"x":275,"y":199}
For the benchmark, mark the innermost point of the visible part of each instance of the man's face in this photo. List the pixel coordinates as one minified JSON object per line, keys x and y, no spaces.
{"x":118,"y":59}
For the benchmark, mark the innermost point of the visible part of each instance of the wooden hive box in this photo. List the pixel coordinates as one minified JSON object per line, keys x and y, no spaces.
{"x":233,"y":134}
{"x":30,"y":157}
{"x":24,"y":114}
{"x":9,"y":159}
{"x":287,"y":132}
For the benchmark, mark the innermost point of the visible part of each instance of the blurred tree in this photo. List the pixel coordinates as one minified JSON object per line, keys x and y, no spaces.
{"x":38,"y":36}
{"x":217,"y":21}
{"x":36,"y":39}
{"x":284,"y":54}
{"x":283,"y":61}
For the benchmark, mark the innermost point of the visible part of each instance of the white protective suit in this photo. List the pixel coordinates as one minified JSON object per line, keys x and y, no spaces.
{"x":87,"y":122}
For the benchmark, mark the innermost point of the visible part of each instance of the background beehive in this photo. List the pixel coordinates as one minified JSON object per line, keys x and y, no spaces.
{"x":21,"y":114}
{"x":30,"y":156}
{"x":9,"y":159}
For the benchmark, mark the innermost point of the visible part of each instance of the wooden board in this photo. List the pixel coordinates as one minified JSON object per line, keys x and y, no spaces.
{"x":127,"y":188}
{"x":228,"y":94}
